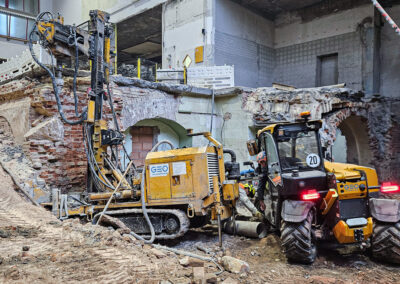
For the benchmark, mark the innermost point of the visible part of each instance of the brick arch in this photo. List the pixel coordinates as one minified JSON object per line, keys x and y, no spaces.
{"x":353,"y":123}
{"x":5,"y":128}
{"x":392,"y":173}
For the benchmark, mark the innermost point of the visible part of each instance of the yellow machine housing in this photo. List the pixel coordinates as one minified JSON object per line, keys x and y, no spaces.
{"x":185,"y":176}
{"x":352,"y":183}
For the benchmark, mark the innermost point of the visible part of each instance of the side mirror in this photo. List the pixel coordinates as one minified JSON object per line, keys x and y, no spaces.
{"x":252,"y":147}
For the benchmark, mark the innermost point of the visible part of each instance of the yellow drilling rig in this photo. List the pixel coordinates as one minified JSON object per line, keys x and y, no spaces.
{"x":175,"y":189}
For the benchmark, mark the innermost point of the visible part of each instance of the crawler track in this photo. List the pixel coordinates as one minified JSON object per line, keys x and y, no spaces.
{"x":184,"y":222}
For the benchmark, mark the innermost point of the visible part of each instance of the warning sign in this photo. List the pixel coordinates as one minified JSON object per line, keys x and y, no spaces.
{"x":178,"y":168}
{"x":159,"y":170}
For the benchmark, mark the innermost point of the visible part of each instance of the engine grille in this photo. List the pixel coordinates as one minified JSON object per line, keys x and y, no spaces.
{"x":213,"y":169}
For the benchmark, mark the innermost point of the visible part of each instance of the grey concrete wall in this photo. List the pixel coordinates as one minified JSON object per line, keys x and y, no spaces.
{"x":182,"y":31}
{"x":296,"y":65}
{"x":245,"y":40}
{"x":71,"y":10}
{"x":299,"y":44}
{"x":10,"y":48}
{"x":390,"y":57}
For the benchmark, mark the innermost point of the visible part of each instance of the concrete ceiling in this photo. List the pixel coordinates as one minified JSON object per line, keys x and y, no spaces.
{"x":140,"y":35}
{"x":270,"y":8}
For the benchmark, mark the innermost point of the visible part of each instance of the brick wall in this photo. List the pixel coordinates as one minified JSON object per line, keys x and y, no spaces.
{"x":60,"y":159}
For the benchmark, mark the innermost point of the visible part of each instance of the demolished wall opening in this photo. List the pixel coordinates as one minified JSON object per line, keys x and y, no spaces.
{"x":140,"y":36}
{"x":5,"y":128}
{"x":352,"y":142}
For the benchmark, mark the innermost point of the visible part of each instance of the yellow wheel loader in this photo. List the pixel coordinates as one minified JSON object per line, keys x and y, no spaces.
{"x":176,"y":189}
{"x":309,"y":199}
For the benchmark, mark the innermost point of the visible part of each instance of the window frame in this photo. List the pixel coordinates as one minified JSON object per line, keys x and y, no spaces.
{"x":9,"y":18}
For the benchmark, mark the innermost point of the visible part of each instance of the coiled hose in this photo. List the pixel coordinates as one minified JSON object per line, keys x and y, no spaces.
{"x":144,"y":209}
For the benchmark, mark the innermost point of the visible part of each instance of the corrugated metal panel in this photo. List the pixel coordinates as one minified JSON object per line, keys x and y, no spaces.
{"x":213,"y":168}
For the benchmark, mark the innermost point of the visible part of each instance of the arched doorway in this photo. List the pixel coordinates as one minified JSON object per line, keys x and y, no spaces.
{"x":141,"y":137}
{"x":5,"y":130}
{"x":352,"y":142}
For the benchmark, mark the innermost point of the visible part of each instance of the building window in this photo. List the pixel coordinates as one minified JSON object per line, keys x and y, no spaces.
{"x":327,"y":70}
{"x":17,"y":27}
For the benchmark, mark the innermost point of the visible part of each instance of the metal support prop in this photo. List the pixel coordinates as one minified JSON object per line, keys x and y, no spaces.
{"x":115,"y":190}
{"x":386,"y":16}
{"x":212,"y":109}
{"x":219,"y":230}
{"x":138,"y":68}
{"x":116,"y":50}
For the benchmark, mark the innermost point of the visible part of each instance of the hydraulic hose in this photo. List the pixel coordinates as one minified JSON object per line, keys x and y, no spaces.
{"x":144,"y":209}
{"x":53,"y":80}
{"x":146,"y":216}
{"x":73,"y":31}
{"x":231,"y":153}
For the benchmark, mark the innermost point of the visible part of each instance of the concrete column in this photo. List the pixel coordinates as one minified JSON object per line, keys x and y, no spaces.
{"x":370,"y":39}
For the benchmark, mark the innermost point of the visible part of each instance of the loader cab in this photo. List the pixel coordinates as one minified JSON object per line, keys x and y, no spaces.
{"x":294,"y":156}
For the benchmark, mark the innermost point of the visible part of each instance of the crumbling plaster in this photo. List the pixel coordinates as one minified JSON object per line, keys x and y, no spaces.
{"x":17,"y":115}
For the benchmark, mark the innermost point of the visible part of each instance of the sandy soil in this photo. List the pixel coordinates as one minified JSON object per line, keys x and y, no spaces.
{"x":269,"y":265}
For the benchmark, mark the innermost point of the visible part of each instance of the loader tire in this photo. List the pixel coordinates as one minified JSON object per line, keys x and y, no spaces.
{"x":386,"y":242}
{"x":297,"y":241}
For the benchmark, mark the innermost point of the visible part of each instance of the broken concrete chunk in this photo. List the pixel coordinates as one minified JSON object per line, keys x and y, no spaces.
{"x":230,"y":281}
{"x":51,"y":129}
{"x":37,"y":165}
{"x":158,"y":253}
{"x":235,"y":265}
{"x":192,"y":262}
{"x":198,"y":273}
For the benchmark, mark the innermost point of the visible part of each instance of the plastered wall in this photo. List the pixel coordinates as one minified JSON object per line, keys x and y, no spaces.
{"x":187,"y":24}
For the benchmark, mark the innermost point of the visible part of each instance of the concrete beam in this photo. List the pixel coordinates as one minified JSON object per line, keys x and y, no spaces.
{"x":120,"y":13}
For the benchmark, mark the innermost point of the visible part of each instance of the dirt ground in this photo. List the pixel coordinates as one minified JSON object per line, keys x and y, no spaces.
{"x":268,"y":264}
{"x":35,"y":247}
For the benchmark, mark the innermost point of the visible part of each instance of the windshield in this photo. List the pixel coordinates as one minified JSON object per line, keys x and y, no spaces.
{"x":299,"y":151}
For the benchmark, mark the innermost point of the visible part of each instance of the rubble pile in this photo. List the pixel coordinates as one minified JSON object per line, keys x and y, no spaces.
{"x":269,"y":105}
{"x":13,"y":158}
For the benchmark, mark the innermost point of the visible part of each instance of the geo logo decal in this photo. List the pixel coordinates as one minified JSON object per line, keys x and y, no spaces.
{"x":159,"y":170}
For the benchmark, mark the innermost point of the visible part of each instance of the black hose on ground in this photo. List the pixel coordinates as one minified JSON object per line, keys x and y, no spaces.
{"x":144,"y":209}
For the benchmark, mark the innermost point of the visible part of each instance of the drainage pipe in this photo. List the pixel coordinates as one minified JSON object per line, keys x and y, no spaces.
{"x":245,"y":228}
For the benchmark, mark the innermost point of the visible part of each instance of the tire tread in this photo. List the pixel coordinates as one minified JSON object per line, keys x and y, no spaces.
{"x":296,"y":240}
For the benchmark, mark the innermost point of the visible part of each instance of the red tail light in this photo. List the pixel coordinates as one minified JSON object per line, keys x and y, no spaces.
{"x":388,"y":187}
{"x":309,"y":195}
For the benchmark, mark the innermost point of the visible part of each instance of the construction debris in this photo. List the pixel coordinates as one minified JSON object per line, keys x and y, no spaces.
{"x":235,"y":265}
